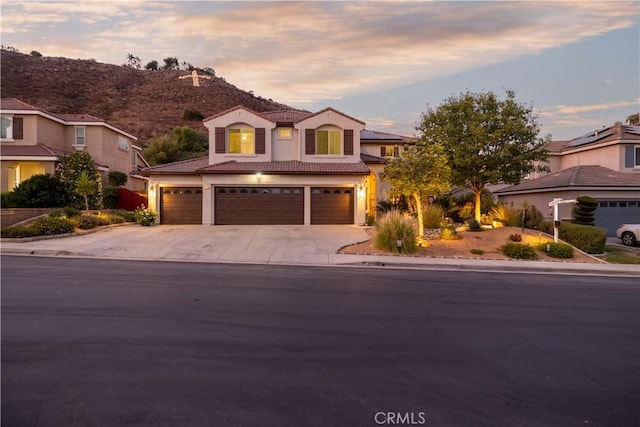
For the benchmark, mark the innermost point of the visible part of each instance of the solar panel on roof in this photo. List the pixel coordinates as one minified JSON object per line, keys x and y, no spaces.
{"x":633,"y":129}
{"x":592,"y":137}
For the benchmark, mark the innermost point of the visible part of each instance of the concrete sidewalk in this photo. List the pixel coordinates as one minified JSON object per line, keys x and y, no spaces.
{"x":273,"y":244}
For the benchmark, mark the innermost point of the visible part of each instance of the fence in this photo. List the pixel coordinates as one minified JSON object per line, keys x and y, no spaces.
{"x":130,"y":200}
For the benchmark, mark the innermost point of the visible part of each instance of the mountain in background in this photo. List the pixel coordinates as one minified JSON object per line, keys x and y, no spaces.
{"x":141,"y":102}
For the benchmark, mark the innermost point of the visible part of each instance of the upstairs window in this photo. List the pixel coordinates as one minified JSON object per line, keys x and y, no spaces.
{"x":637,"y":150}
{"x":389,"y":151}
{"x":242,"y":141}
{"x":7,"y":127}
{"x":80,"y":140}
{"x":285,"y":133}
{"x":123,"y":143}
{"x":328,"y":142}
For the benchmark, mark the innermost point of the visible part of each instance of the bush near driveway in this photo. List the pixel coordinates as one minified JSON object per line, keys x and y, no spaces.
{"x":393,"y":227}
{"x":556,"y":250}
{"x":587,"y":238}
{"x":519,"y":251}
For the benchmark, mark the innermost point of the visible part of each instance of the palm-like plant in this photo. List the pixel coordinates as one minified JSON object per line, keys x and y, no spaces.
{"x":86,"y":186}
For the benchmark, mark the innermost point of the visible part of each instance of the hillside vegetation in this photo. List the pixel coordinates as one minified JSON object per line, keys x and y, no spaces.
{"x":142,"y":102}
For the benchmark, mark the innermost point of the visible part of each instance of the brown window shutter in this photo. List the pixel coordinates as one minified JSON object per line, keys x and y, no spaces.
{"x":260,"y":141}
{"x":310,"y":141}
{"x":18,"y":128}
{"x":383,"y":151}
{"x":396,"y":151}
{"x":348,"y":142}
{"x":220,"y":140}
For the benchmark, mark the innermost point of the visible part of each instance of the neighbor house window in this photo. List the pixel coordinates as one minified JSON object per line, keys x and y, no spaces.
{"x":242,"y":141}
{"x":7,"y":127}
{"x":134,"y":158}
{"x":328,"y":142}
{"x":80,"y":140}
{"x":637,"y":152}
{"x":123,"y":143}
{"x":285,"y":133}
{"x":389,"y":151}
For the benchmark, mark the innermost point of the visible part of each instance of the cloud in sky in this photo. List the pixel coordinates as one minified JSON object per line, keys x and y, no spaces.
{"x":304,"y":52}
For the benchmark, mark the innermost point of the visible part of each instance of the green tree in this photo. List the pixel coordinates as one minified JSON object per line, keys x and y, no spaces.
{"x":117,"y":179}
{"x":487,"y":140}
{"x":86,"y":186}
{"x":133,"y":61}
{"x":161,"y":149}
{"x":634,"y":119}
{"x":422,"y":171}
{"x":68,"y":170}
{"x":188,"y":139}
{"x":152,"y":65}
{"x":171,"y":63}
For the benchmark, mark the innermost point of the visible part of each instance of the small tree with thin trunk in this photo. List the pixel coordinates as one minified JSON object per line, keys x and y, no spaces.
{"x":86,"y":186}
{"x":422,"y":171}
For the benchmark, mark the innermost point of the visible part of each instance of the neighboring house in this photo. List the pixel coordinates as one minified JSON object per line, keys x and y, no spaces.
{"x":33,"y":140}
{"x":283,"y":167}
{"x":604,"y":164}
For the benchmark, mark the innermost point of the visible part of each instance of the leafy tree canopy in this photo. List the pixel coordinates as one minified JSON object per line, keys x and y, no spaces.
{"x":152,"y":65}
{"x":421,"y":171}
{"x":487,"y":140}
{"x":634,"y":119}
{"x":69,"y":169}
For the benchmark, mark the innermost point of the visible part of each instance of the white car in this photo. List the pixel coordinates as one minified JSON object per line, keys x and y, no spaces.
{"x":629,"y":234}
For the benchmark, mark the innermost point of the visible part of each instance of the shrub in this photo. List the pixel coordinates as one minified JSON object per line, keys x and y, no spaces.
{"x":486,"y":219}
{"x":109,"y":218}
{"x":505,"y":214}
{"x":7,"y":200}
{"x":449,"y":233}
{"x":192,"y":115}
{"x":477,"y":251}
{"x":546,"y":227}
{"x":589,"y":239}
{"x":18,"y":232}
{"x":369,"y":220}
{"x":69,"y":169}
{"x":117,"y":179}
{"x":556,"y":250}
{"x":145,"y":216}
{"x":110,"y":197}
{"x":474,"y":225}
{"x":393,"y":227}
{"x":40,"y":191}
{"x":519,"y":251}
{"x":87,"y":222}
{"x":433,"y":216}
{"x":584,"y":209}
{"x":71,"y":212}
{"x":57,"y":212}
{"x":53,"y":225}
{"x":515,"y":237}
{"x":466,"y":211}
{"x":128,"y":216}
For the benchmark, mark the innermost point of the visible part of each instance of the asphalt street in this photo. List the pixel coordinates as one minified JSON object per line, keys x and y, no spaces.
{"x":89,"y":342}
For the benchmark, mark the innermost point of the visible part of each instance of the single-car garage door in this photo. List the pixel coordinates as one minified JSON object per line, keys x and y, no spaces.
{"x":611,"y":214}
{"x":331,"y":205}
{"x":259,"y":205}
{"x":181,"y":205}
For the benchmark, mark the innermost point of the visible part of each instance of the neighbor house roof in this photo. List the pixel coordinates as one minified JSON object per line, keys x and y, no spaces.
{"x":38,"y":150}
{"x":290,"y":167}
{"x":577,"y":176}
{"x":368,"y":158}
{"x":374,"y":136}
{"x":15,"y":105}
{"x":614,"y":133}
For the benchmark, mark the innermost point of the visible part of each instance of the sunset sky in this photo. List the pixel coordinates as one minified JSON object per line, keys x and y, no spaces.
{"x":381,"y":62}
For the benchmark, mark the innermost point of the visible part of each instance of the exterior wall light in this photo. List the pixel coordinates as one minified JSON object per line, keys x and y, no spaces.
{"x":259,"y":176}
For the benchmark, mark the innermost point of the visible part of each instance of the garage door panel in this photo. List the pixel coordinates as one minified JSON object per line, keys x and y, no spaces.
{"x":181,"y":205}
{"x":259,"y":205}
{"x":331,"y":205}
{"x":610,"y":214}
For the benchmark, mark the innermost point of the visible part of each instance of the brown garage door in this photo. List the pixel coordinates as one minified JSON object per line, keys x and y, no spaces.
{"x":330,"y":205}
{"x":181,"y":205}
{"x":259,"y":205}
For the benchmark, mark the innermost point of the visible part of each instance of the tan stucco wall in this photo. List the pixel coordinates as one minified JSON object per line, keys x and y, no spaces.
{"x":51,"y":133}
{"x":609,"y":157}
{"x":330,"y":118}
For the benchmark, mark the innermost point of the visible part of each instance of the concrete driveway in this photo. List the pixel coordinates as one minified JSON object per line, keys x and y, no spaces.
{"x":296,"y":244}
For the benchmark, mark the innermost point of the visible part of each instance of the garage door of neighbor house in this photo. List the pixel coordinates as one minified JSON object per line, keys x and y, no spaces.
{"x":610,"y":215}
{"x":181,"y":205}
{"x":259,"y":205}
{"x":331,"y":205}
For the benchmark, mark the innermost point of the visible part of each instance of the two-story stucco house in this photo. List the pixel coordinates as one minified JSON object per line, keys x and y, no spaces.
{"x":33,"y":140}
{"x":283,"y":167}
{"x":603,"y":164}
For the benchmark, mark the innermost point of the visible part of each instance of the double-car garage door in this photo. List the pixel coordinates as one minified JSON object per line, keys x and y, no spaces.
{"x":258,"y":205}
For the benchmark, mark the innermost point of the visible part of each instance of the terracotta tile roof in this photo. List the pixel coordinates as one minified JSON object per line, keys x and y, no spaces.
{"x":335,"y":111}
{"x":184,"y":167}
{"x":15,"y":104}
{"x":369,"y":159}
{"x":577,"y":176}
{"x":287,"y":167}
{"x":38,"y":150}
{"x":77,"y":117}
{"x":288,"y":116}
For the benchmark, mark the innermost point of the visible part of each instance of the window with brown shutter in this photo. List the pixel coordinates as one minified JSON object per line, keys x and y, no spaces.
{"x":383,"y":151}
{"x":260,"y":141}
{"x":220,"y":140}
{"x":18,"y":128}
{"x":310,"y":141}
{"x":348,"y":142}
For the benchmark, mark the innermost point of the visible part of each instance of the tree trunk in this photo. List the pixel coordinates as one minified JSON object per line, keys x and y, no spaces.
{"x":418,"y":199}
{"x":477,"y":193}
{"x":86,"y":202}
